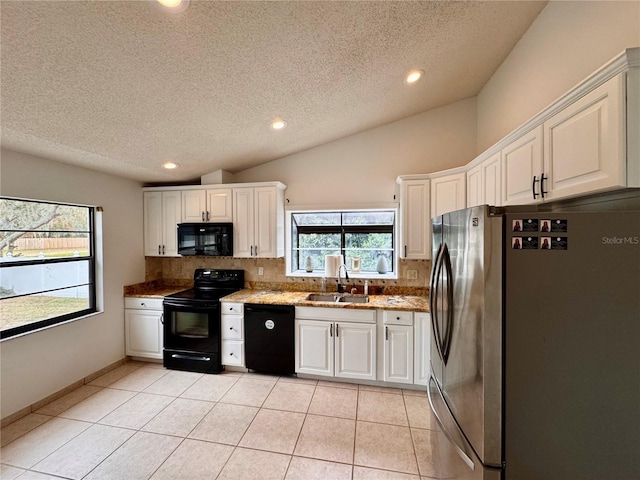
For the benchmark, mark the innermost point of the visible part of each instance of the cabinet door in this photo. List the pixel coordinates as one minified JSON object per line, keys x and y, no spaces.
{"x":152,"y":223}
{"x":314,"y":347}
{"x":194,"y":206}
{"x":584,"y":144}
{"x":475,"y":195}
{"x":355,"y":350}
{"x":243,"y":227}
{"x":491,"y":181}
{"x":172,"y":215}
{"x":448,"y":194}
{"x":398,"y":353}
{"x":422,"y":345}
{"x":219,"y":203}
{"x":415,"y":231}
{"x":143,"y":333}
{"x":265,"y":222}
{"x":521,"y":161}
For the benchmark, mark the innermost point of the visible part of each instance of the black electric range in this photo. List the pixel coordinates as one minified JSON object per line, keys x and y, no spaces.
{"x":192,"y":321}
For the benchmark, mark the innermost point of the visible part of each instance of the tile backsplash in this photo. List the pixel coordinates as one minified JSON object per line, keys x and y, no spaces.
{"x":182,"y":268}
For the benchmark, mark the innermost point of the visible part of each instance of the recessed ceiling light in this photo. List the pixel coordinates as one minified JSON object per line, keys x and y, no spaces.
{"x":174,"y":6}
{"x":278,"y":124}
{"x":413,"y":76}
{"x":169,"y":165}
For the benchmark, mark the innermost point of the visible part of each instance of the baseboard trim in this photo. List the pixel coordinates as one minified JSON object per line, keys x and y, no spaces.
{"x":60,"y":393}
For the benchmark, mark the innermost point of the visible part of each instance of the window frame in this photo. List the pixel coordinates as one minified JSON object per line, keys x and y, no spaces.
{"x":92,"y":277}
{"x":350,"y":228}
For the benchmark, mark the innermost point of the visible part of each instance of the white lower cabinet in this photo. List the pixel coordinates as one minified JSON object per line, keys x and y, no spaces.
{"x":232,"y":334}
{"x":396,"y":345}
{"x":336,"y":343}
{"x":422,"y":346}
{"x":143,"y":327}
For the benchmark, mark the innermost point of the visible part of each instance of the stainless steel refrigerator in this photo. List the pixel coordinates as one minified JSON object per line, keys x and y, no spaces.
{"x":535,"y":351}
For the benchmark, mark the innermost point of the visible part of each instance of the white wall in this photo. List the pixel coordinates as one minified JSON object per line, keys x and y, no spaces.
{"x":39,"y":364}
{"x":362,"y":168}
{"x":566,"y":43}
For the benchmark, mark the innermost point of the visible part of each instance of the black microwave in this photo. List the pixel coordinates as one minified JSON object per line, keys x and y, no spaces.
{"x":213,"y":239}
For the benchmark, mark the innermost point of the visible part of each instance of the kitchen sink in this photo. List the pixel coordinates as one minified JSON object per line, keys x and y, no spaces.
{"x":337,"y":298}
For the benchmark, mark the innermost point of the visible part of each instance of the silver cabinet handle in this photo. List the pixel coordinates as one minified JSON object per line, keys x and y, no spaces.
{"x":337,"y":330}
{"x":207,"y":216}
{"x":159,"y":250}
{"x":405,"y":251}
{"x":331,"y":330}
{"x":163,"y":249}
{"x":386,"y":333}
{"x":203,"y":216}
{"x":162,"y":318}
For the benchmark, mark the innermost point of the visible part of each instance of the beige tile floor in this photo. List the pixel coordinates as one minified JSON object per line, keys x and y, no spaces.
{"x":141,"y":421}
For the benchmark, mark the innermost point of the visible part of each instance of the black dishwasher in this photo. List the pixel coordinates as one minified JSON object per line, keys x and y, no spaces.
{"x":269,"y":338}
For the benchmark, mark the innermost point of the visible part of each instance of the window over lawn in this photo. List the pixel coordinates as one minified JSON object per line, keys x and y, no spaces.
{"x":361,"y":236}
{"x":47,"y":264}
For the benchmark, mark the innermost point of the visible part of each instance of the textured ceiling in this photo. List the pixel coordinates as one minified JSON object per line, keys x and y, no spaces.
{"x":122,"y":86}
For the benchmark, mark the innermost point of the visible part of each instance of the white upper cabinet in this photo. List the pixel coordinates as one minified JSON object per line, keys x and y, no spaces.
{"x":162,"y":213}
{"x":474,"y":187}
{"x":484,"y":183}
{"x":211,"y":205}
{"x":491,"y":180}
{"x":258,"y":222}
{"x":522,"y":169}
{"x":448,"y":193}
{"x":415,"y":222}
{"x":587,"y":142}
{"x":583,"y":144}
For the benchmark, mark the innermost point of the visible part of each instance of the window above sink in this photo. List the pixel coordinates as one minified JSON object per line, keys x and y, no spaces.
{"x":361,"y":236}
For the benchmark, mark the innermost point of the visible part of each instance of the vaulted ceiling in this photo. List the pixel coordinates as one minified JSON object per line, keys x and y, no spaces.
{"x":124,"y":86}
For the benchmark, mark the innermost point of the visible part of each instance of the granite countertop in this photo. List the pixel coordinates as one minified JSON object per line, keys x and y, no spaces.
{"x":158,"y":289}
{"x":381,"y":302}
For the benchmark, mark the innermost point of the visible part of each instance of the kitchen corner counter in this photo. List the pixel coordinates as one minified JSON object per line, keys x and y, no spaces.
{"x":156,"y":289}
{"x":299,"y":299}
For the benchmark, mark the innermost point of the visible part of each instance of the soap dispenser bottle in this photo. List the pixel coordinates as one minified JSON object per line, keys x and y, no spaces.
{"x":366,"y":287}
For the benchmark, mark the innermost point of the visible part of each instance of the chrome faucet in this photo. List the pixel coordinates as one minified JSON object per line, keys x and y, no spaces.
{"x":346,"y":278}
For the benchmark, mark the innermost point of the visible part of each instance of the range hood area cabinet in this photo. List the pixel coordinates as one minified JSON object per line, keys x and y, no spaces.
{"x":256,"y":210}
{"x":212,"y":205}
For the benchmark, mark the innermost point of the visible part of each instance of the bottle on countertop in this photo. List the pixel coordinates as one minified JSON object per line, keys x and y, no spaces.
{"x":366,"y":287}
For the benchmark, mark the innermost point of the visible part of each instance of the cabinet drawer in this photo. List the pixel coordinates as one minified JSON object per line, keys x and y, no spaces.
{"x":143,"y":303}
{"x":391,"y":317}
{"x":232,"y":352}
{"x":235,"y":308}
{"x":232,"y":327}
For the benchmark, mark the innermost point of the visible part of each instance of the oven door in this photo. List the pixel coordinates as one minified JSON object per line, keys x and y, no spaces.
{"x":194,"y":328}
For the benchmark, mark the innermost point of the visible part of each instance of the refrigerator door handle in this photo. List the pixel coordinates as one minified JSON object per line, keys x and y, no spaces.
{"x":461,"y":453}
{"x":448,"y":330}
{"x":433,"y":297}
